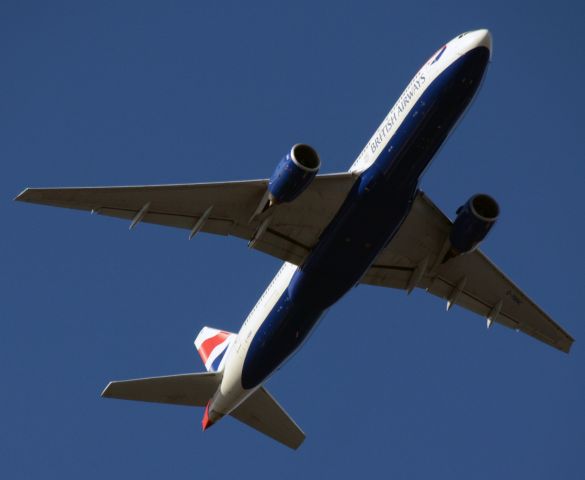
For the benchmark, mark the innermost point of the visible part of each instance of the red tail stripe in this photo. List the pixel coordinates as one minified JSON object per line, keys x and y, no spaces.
{"x":205,"y":422}
{"x":208,"y":345}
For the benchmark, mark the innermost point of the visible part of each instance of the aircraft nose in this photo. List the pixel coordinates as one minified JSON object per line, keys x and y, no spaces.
{"x":483,"y":38}
{"x":470,"y":40}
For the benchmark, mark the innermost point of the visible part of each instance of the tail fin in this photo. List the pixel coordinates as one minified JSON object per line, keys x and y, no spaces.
{"x":212,"y":346}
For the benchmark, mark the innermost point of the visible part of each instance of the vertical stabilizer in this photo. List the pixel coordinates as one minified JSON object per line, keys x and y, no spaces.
{"x":212,"y":345}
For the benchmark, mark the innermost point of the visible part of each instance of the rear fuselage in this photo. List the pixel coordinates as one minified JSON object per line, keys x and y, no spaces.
{"x":387,"y":175}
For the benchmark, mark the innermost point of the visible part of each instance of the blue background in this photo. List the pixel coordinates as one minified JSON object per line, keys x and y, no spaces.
{"x":110,"y":93}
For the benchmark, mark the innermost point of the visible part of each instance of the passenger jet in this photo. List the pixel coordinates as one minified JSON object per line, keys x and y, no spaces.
{"x":371,"y":225}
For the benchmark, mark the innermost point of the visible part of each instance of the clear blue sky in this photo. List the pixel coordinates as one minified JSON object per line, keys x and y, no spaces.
{"x":104,"y":93}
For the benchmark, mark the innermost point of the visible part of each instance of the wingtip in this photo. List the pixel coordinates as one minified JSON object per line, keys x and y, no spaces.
{"x":567,"y":346}
{"x":298,"y":442}
{"x":105,"y":392}
{"x":21,"y":196}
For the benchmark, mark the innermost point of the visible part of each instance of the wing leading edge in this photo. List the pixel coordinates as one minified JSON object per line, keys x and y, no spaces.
{"x":471,"y":281}
{"x":227,"y":208}
{"x":222,"y":208}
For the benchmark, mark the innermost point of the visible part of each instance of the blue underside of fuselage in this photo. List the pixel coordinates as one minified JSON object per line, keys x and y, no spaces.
{"x":370,"y":216}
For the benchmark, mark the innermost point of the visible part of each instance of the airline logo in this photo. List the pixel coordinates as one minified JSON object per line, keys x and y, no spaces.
{"x":212,"y":346}
{"x":438,"y":55}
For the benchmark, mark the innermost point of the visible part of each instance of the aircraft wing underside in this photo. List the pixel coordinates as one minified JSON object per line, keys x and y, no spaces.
{"x":412,"y":259}
{"x":293,"y":229}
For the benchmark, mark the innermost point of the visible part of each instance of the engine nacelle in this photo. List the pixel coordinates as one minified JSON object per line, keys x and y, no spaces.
{"x":475,"y":218}
{"x":293,"y":174}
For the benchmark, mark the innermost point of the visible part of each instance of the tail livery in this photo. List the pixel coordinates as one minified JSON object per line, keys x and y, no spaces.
{"x":212,"y":346}
{"x":259,"y":411}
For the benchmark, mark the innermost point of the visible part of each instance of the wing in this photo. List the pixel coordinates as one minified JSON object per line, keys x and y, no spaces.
{"x":471,"y":281}
{"x":224,"y":208}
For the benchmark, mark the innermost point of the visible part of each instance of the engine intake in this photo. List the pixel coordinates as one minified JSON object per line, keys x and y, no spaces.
{"x":293,"y":174}
{"x":475,"y":218}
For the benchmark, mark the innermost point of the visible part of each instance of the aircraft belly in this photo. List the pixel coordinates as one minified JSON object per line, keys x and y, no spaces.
{"x":282,"y":332}
{"x":382,"y":197}
{"x":371,"y":215}
{"x":232,"y":391}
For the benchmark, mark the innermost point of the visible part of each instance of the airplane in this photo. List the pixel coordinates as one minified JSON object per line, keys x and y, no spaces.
{"x":371,"y":225}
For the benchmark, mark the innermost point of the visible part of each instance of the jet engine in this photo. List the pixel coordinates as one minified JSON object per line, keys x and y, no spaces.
{"x":475,"y":218}
{"x":293,"y":174}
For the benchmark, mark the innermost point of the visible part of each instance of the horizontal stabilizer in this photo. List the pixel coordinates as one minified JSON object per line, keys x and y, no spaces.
{"x":193,"y":389}
{"x":263,"y":413}
{"x":260,"y":411}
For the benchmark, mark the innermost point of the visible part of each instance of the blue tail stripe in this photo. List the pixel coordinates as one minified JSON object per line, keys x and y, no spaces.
{"x":217,"y":361}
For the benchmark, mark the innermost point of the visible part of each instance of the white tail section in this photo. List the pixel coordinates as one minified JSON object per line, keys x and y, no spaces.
{"x":185,"y":389}
{"x":212,"y":346}
{"x":261,"y":412}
